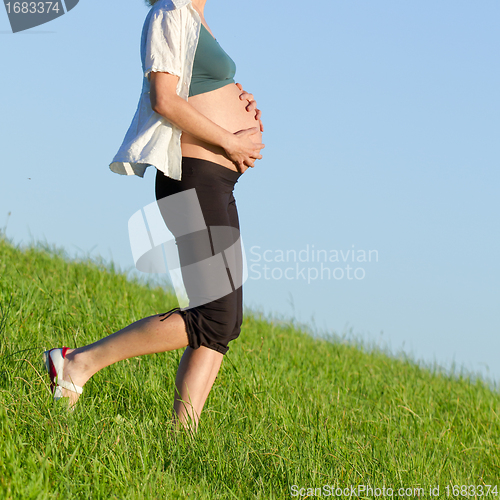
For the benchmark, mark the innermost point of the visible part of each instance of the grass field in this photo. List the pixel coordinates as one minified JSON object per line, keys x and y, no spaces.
{"x":287,"y":412}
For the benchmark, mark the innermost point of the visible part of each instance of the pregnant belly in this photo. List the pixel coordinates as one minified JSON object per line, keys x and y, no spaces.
{"x":224,"y":107}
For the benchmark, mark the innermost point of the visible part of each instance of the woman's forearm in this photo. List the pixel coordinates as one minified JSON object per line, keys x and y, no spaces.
{"x":179,"y":112}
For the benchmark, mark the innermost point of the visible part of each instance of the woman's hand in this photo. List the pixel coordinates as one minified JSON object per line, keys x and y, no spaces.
{"x":241,"y":150}
{"x":251,"y":105}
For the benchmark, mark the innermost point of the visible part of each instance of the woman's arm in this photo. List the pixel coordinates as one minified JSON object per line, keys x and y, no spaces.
{"x":165,"y":101}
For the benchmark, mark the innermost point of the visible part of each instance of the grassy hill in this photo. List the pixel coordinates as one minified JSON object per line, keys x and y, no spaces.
{"x":287,"y":412}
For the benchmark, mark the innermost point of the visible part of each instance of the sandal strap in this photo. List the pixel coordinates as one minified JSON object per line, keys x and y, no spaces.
{"x":70,"y":386}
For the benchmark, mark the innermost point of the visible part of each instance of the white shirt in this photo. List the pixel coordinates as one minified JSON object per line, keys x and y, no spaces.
{"x":168,"y":44}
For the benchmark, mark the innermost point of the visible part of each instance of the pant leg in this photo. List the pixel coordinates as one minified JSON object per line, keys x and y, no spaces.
{"x":216,"y":322}
{"x":234,"y":221}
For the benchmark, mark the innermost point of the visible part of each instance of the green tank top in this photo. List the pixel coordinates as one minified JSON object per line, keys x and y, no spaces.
{"x":212,"y":67}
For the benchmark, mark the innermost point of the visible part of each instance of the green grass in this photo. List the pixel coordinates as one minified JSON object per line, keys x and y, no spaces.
{"x":286,"y":409}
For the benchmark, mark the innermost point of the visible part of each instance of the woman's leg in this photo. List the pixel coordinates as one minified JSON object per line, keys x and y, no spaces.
{"x":213,"y":324}
{"x":199,"y":368}
{"x":146,"y":336}
{"x":196,"y":374}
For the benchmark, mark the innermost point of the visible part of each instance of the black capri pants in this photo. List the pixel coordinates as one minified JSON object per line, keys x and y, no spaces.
{"x":209,"y":323}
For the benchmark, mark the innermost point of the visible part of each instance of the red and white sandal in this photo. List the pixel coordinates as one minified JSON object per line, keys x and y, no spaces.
{"x":54,"y":362}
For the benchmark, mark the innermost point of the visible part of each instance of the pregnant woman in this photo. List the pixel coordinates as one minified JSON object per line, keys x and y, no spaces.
{"x":202,"y":132}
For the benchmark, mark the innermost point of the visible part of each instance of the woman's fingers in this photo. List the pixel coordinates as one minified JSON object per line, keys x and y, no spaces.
{"x":256,"y":156}
{"x":246,"y":95}
{"x":251,"y":130}
{"x":245,"y":154}
{"x":251,"y":105}
{"x":258,"y":115}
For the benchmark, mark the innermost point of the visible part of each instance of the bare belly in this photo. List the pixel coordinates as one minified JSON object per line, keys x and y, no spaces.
{"x":224,"y":107}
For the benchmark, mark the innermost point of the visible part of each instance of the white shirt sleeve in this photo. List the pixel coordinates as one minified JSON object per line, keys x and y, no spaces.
{"x":163,"y":43}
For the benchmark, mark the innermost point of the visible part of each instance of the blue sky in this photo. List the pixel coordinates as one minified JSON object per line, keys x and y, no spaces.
{"x":381,"y":122}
